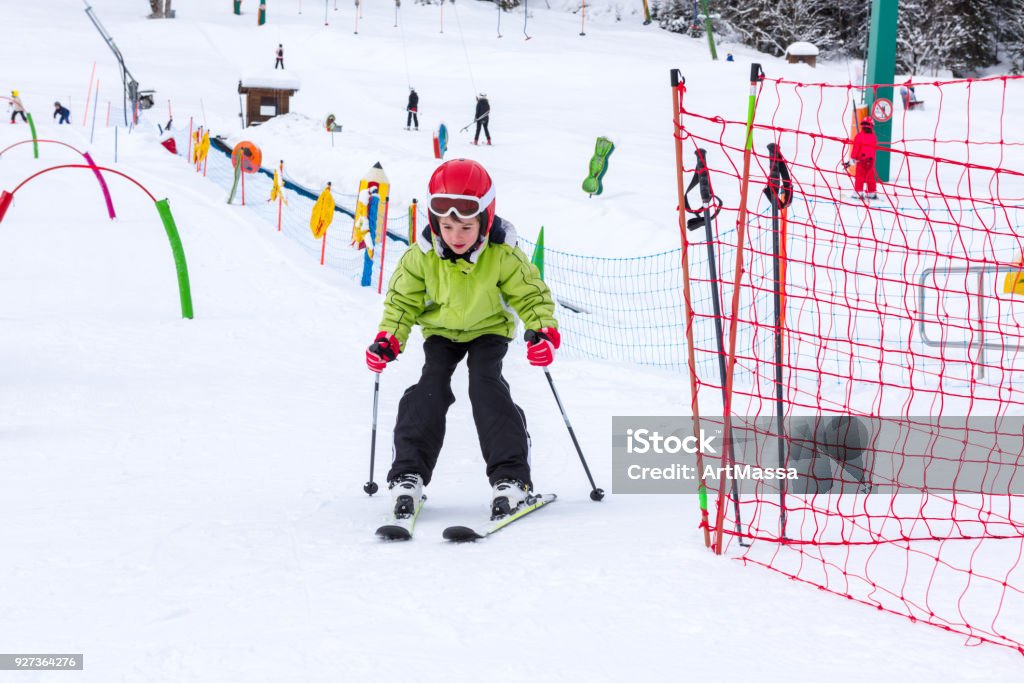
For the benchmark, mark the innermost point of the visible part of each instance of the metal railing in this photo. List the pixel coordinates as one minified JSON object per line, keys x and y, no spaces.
{"x":980,"y":344}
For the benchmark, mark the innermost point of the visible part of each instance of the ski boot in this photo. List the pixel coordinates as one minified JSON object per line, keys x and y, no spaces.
{"x":406,"y":490}
{"x":507,"y":496}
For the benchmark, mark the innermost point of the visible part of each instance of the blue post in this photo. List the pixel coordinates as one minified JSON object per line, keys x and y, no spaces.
{"x":371,"y":218}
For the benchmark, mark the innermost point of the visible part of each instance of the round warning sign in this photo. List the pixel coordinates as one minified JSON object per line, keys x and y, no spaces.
{"x":881,"y":110}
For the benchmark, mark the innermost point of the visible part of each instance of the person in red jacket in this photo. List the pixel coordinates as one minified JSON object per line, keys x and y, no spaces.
{"x":865,"y":146}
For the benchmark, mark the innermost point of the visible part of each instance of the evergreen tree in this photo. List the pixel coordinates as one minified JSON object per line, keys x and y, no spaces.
{"x":1008,"y":17}
{"x":972,"y":45}
{"x":919,"y":44}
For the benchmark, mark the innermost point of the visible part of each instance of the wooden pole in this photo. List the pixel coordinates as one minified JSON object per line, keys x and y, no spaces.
{"x":280,"y":194}
{"x":88,"y":94}
{"x":678,"y":89}
{"x":383,"y":243}
{"x":741,"y":235}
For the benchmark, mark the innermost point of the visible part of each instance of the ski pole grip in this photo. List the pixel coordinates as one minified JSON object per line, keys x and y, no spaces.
{"x":531,"y":337}
{"x":701,"y":172}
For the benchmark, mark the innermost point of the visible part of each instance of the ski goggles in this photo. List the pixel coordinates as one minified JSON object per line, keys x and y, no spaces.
{"x":462,"y":205}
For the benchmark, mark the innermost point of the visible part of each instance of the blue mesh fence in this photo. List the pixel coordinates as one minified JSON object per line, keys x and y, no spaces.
{"x":631,"y":309}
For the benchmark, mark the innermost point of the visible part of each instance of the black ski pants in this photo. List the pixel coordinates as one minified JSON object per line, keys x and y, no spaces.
{"x":17,"y":112}
{"x":482,"y":123}
{"x":279,"y":62}
{"x":412,"y":118}
{"x":422,"y":412}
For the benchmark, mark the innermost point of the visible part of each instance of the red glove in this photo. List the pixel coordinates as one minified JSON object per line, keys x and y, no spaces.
{"x":541,"y":345}
{"x":383,"y":350}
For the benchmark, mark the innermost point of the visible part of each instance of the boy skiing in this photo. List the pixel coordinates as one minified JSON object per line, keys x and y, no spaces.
{"x":456,"y":283}
{"x":412,"y":107}
{"x":279,"y":54}
{"x":863,"y":155}
{"x":63,"y":113}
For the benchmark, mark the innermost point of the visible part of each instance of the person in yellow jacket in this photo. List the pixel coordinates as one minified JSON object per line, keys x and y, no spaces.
{"x":17,"y":107}
{"x":461,"y":283}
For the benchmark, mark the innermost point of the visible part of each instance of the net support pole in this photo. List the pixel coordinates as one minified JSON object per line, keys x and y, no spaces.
{"x":741,"y":234}
{"x":383,"y":244}
{"x":280,"y":194}
{"x":678,"y":88}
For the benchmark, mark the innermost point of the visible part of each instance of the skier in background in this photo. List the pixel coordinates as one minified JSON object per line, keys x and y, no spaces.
{"x":460,"y":282}
{"x":279,"y":53}
{"x":483,"y":115}
{"x":18,"y":107}
{"x":865,"y":145}
{"x":412,"y":107}
{"x":62,"y":112}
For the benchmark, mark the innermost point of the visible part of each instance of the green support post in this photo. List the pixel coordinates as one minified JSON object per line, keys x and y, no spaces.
{"x":707,"y":29}
{"x":881,"y":71}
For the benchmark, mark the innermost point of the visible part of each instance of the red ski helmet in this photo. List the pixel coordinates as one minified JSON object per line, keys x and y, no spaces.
{"x":462,"y":187}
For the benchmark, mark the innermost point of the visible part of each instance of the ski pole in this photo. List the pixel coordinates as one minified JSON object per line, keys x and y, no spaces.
{"x":709,"y":210}
{"x":466,"y":127}
{"x":596,"y":494}
{"x":779,"y":191}
{"x":370,"y":487}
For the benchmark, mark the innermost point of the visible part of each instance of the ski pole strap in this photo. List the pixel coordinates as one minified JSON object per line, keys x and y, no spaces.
{"x":709,"y":202}
{"x":779,"y":190}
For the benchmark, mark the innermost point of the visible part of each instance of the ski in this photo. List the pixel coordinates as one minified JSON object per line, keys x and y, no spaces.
{"x":400,"y":528}
{"x":871,"y":201}
{"x":463,"y":534}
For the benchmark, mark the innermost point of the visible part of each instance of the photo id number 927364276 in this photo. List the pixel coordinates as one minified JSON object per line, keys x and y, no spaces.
{"x":22,"y":662}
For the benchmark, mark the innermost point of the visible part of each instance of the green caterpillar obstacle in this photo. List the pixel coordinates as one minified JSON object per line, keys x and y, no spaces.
{"x":598,"y":166}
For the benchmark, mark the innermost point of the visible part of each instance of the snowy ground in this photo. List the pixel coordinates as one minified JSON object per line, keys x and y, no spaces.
{"x":183,"y":498}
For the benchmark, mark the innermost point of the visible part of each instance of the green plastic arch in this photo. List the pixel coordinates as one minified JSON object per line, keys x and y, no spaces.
{"x":35,"y":138}
{"x":184,"y":289}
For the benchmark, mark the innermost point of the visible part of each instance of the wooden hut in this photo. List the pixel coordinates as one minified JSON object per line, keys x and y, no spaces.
{"x":802,"y":53}
{"x":266,"y":96}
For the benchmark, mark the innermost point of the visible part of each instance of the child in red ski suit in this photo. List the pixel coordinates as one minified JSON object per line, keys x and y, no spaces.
{"x":865,"y":146}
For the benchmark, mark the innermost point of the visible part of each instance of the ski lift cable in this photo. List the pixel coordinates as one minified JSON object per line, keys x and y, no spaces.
{"x":462,"y":36}
{"x":405,"y":52}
